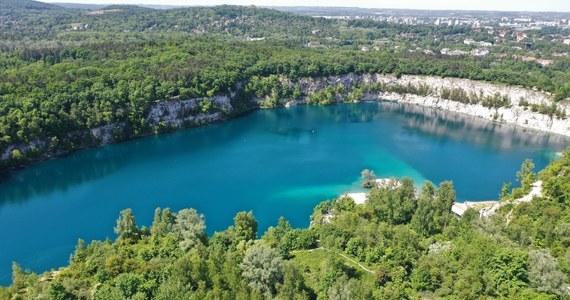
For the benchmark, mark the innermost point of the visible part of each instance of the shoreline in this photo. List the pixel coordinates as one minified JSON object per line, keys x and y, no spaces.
{"x":566,"y":133}
{"x":497,"y":122}
{"x":170,"y":113}
{"x":4,"y":173}
{"x":514,"y":114}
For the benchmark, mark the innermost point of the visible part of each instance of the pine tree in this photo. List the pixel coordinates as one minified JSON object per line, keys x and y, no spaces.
{"x":126,"y":226}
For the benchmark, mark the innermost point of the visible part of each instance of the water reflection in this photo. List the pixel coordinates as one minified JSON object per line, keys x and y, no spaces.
{"x":449,"y":125}
{"x":278,"y":162}
{"x":61,"y":174}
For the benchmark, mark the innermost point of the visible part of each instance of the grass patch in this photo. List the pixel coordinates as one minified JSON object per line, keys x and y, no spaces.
{"x":310,"y":263}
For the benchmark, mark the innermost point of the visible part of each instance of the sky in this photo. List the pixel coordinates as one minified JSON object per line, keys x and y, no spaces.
{"x":506,"y":5}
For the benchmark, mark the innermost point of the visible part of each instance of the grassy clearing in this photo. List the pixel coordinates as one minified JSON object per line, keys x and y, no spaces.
{"x":311,"y":262}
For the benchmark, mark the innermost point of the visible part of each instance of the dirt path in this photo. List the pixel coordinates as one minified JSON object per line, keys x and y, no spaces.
{"x":536,"y":191}
{"x":343,"y":256}
{"x":355,"y":262}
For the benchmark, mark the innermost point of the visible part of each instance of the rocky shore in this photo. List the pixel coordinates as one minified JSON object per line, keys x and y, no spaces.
{"x":516,"y":114}
{"x":170,"y":115}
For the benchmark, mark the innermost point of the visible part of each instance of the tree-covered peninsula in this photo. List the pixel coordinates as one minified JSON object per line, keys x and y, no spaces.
{"x":402,"y":243}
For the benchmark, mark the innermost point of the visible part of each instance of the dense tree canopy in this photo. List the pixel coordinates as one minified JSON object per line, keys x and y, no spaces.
{"x":398,"y":245}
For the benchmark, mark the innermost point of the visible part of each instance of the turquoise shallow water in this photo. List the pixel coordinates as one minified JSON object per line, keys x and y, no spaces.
{"x":275,"y":162}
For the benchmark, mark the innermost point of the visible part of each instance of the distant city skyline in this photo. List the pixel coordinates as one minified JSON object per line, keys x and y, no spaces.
{"x":504,"y":5}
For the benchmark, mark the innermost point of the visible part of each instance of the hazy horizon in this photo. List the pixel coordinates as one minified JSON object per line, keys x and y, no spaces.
{"x":488,"y":5}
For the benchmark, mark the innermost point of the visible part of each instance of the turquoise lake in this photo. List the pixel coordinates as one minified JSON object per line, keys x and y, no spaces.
{"x":279,"y":162}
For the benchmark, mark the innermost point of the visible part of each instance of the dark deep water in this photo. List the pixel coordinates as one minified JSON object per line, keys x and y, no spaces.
{"x":277,"y":162}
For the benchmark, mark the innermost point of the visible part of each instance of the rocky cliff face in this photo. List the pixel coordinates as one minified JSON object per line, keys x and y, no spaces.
{"x":448,"y":124}
{"x":172,"y":114}
{"x":515,"y":114}
{"x":312,"y":85}
{"x":163,"y":115}
{"x":185,"y":113}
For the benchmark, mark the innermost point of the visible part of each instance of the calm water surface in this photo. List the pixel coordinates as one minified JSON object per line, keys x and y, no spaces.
{"x":275,"y":162}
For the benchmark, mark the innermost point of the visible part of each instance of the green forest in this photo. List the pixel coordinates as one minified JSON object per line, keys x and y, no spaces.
{"x":64,"y":71}
{"x":402,"y":243}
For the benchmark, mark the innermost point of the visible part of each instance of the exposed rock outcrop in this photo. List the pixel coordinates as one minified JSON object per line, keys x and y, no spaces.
{"x":173,"y":114}
{"x":515,"y":114}
{"x":182,"y":113}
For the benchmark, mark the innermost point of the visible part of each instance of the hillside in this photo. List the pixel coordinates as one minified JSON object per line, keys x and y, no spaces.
{"x":67,"y":73}
{"x":26,"y":5}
